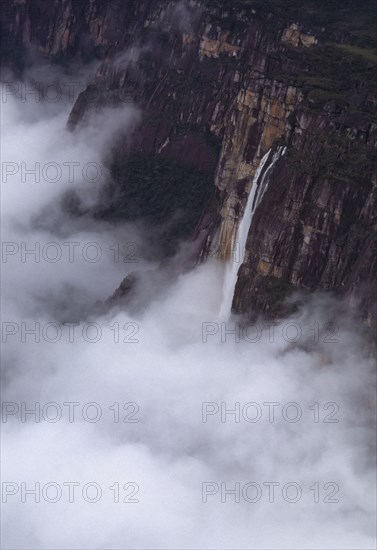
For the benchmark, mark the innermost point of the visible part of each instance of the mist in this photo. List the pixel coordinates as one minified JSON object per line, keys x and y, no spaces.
{"x":192,"y":432}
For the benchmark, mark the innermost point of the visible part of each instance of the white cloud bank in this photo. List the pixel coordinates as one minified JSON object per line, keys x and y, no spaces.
{"x":167,"y":375}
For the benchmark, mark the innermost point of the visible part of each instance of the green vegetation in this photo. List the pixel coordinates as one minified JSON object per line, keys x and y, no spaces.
{"x":354,"y":166}
{"x":369,"y":54}
{"x":328,"y":72}
{"x":346,"y":53}
{"x":357,"y":20}
{"x":340,"y":157}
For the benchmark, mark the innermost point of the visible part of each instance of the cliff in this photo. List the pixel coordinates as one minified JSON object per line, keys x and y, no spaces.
{"x":221,"y":84}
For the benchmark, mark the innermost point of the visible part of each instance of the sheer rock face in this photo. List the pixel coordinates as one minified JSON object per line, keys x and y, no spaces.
{"x":68,"y":28}
{"x":219,"y":85}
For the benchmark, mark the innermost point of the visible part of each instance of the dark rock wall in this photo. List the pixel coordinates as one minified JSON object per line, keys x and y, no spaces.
{"x":220,"y":84}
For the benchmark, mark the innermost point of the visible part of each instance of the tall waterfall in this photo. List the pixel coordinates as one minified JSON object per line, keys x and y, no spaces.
{"x":254,"y":199}
{"x":262,"y":188}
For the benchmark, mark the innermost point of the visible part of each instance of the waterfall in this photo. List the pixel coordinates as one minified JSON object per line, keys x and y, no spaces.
{"x":266,"y":176}
{"x":254,"y":199}
{"x":241,"y":236}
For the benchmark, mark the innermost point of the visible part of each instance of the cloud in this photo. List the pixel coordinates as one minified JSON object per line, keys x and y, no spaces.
{"x":154,"y":365}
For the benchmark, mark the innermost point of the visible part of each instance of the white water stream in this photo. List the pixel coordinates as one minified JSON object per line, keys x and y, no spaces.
{"x":254,"y":199}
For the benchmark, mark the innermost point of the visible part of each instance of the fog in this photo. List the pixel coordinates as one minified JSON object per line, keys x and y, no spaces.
{"x":166,"y":368}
